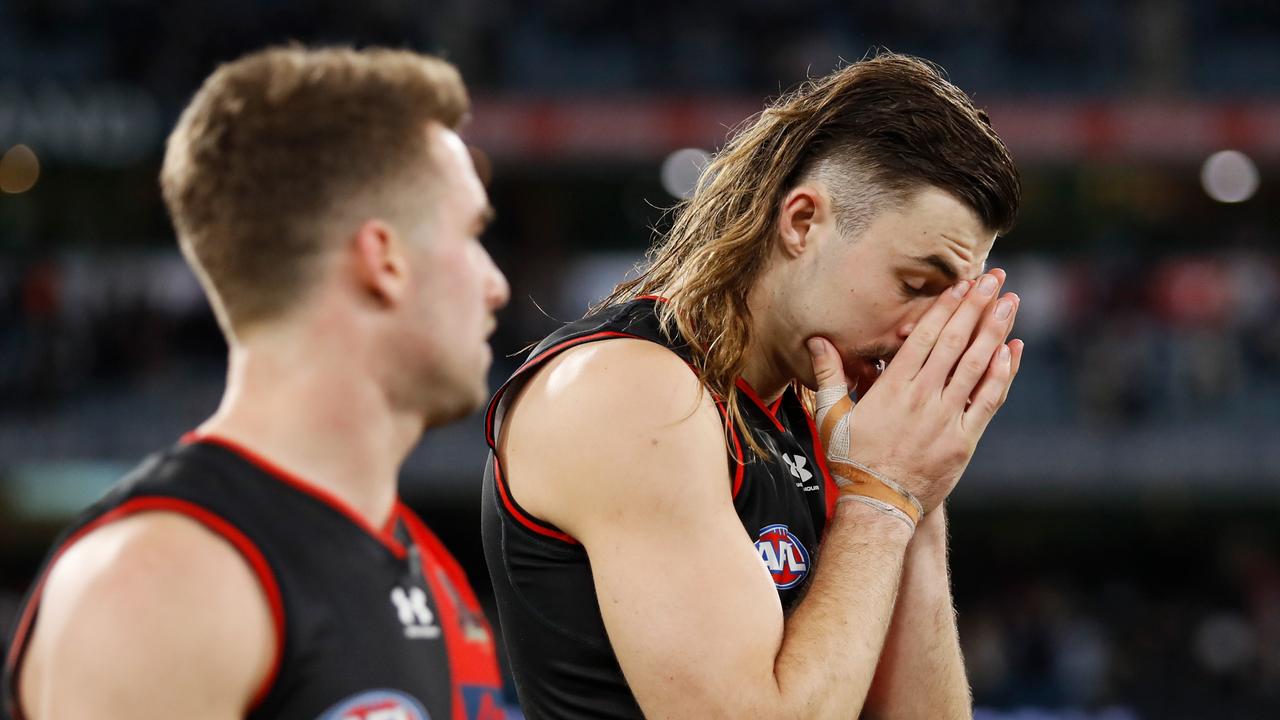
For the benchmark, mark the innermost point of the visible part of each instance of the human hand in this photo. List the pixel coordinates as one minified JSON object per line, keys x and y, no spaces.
{"x":920,"y":423}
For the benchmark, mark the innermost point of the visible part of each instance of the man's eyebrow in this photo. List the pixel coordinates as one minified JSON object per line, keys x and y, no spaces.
{"x":942,"y":266}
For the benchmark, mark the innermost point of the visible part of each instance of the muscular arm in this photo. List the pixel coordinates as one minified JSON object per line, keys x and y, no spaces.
{"x":921,"y":672}
{"x":152,"y":616}
{"x":615,"y":443}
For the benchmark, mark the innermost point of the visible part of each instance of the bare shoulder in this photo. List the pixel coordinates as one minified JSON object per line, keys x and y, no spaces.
{"x":616,"y":421}
{"x":610,"y":392}
{"x":148,"y":616}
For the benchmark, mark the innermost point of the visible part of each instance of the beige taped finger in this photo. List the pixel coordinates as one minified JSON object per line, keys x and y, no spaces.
{"x":833,"y":410}
{"x":834,"y":413}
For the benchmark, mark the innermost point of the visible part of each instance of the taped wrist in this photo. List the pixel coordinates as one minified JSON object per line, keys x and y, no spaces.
{"x":883,"y":507}
{"x":854,"y":478}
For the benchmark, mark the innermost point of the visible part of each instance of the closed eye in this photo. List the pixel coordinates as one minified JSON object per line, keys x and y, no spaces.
{"x":910,"y":290}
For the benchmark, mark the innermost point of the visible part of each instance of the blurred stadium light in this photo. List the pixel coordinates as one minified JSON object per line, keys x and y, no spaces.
{"x":1229,"y":176}
{"x":19,"y":170}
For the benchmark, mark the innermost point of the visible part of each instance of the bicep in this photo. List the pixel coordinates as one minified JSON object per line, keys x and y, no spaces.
{"x":690,"y":610}
{"x":689,"y":607}
{"x":150,"y":616}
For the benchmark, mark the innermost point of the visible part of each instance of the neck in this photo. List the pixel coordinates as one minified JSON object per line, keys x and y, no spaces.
{"x":317,"y":412}
{"x":766,"y":369}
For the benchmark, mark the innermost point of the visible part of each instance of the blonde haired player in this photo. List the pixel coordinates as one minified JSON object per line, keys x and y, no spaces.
{"x":264,"y":567}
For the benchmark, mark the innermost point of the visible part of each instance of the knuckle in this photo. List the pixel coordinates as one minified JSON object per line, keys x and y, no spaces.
{"x":953,"y":341}
{"x":974,"y":365}
{"x":925,"y":337}
{"x":996,"y":328}
{"x":916,"y":397}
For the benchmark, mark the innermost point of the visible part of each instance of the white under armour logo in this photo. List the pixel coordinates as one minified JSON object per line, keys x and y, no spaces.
{"x":796,"y":465}
{"x":415,"y":615}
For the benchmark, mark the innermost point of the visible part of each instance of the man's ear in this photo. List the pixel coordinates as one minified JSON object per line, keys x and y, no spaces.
{"x":381,"y":268}
{"x":801,"y":208}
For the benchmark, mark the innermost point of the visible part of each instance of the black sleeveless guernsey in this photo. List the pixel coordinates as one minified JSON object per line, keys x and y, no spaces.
{"x":563,"y":664}
{"x":369,"y":622}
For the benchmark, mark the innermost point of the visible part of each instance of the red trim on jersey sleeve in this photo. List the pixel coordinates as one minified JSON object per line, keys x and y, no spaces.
{"x":520,"y":515}
{"x":215,"y":523}
{"x":508,"y":501}
{"x":829,"y":487}
{"x":535,"y":362}
{"x":468,"y":637}
{"x":526,"y":519}
{"x":383,"y":536}
{"x":750,"y":392}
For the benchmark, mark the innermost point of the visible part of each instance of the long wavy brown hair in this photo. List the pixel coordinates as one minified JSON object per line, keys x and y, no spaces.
{"x":882,"y":127}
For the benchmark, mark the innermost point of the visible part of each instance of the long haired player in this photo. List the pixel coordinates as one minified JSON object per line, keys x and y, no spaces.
{"x":670,"y":532}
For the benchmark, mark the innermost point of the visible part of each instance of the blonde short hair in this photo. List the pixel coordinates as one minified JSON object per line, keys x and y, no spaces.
{"x":279,"y":144}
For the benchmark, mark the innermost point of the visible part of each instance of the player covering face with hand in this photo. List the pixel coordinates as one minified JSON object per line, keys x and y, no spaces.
{"x":671,"y":529}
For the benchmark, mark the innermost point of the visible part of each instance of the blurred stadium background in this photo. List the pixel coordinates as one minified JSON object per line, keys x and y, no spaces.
{"x":1116,"y":542}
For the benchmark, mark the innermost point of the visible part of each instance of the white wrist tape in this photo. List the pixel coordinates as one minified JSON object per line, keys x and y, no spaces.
{"x":834,"y":411}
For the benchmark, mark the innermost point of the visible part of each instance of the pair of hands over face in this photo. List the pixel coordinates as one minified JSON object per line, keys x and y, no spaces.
{"x":920,"y":423}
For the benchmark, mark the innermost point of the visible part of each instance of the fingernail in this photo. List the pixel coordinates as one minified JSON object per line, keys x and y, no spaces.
{"x":960,"y":288}
{"x":1004,"y":353}
{"x":1003,"y":308}
{"x":816,"y":347}
{"x":987,"y":285}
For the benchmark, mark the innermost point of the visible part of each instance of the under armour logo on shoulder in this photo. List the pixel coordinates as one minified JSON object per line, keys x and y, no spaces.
{"x":796,"y":465}
{"x":415,"y":615}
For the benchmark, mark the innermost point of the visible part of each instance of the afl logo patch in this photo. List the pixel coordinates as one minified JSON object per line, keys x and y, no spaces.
{"x":783,"y":555}
{"x":377,"y":705}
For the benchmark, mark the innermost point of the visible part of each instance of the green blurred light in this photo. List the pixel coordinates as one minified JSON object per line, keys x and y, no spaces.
{"x":58,"y":490}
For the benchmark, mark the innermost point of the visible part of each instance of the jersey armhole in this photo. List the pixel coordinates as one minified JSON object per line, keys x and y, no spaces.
{"x":496,"y":412}
{"x":519,"y":514}
{"x":211,"y":521}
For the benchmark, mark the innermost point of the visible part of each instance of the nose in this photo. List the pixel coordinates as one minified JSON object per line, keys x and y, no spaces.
{"x":499,"y":288}
{"x":909,"y":322}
